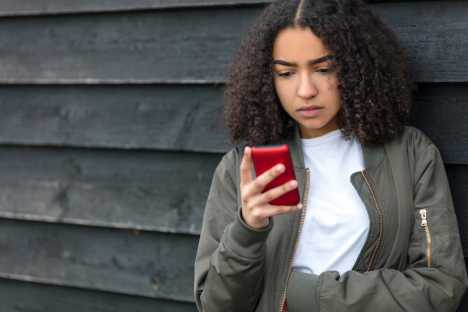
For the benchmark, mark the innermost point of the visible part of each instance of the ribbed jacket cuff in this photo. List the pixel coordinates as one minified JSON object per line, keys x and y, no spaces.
{"x":244,"y":240}
{"x":303,"y":294}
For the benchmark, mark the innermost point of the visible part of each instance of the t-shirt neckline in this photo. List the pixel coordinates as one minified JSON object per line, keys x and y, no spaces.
{"x":325,"y":138}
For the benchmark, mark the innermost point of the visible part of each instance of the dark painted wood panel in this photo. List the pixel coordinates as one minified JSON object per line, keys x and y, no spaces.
{"x":175,"y":117}
{"x":441,"y":111}
{"x":163,"y":192}
{"x":437,"y":50}
{"x":162,"y":117}
{"x":41,"y":7}
{"x":16,"y":296}
{"x":120,"y":261}
{"x":458,"y":178}
{"x":135,"y":47}
{"x":30,"y":297}
{"x":139,"y":47}
{"x":127,"y":262}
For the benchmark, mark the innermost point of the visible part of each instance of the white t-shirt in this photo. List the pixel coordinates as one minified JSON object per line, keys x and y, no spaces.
{"x":336,"y":221}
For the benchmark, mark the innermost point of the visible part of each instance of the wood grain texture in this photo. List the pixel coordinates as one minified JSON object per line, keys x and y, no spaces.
{"x":118,"y":48}
{"x":458,"y":179}
{"x":441,"y":111}
{"x":17,"y":296}
{"x":436,"y":50}
{"x":157,"y":192}
{"x":119,"y":261}
{"x":136,"y":263}
{"x":32,"y":297}
{"x":179,"y":118}
{"x":134,"y":47}
{"x":163,"y":192}
{"x":131,"y":117}
{"x":48,"y":7}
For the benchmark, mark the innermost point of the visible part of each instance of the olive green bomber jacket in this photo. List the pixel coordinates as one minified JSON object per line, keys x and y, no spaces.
{"x":412,"y":259}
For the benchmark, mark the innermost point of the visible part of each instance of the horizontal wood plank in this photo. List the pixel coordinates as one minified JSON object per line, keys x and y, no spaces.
{"x":48,"y":7}
{"x":437,"y":51}
{"x":32,"y":297}
{"x":179,"y":118}
{"x":17,"y":296}
{"x":130,"y":48}
{"x":134,"y":47}
{"x":163,"y":192}
{"x":441,"y":111}
{"x":127,"y":262}
{"x":458,"y":179}
{"x":148,"y":117}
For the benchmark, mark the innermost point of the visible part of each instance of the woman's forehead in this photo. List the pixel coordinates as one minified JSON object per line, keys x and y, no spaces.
{"x":299,"y":45}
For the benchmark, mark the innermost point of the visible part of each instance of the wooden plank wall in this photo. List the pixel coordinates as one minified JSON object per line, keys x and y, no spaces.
{"x":111,"y":127}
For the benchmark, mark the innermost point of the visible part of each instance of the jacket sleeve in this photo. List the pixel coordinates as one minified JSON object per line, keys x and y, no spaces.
{"x":420,"y":287}
{"x":229,"y":266}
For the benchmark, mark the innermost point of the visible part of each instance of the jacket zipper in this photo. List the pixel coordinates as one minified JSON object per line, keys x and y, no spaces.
{"x":301,"y":222}
{"x":379,"y":212}
{"x":425,"y":225}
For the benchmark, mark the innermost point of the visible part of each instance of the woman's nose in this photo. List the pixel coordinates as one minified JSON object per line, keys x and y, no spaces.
{"x":307,"y":87}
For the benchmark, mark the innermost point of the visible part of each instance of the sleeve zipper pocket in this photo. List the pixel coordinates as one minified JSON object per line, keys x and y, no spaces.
{"x":425,"y":226}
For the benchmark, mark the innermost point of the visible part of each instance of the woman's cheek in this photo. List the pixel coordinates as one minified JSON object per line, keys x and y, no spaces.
{"x":332,"y":83}
{"x":285,"y":96}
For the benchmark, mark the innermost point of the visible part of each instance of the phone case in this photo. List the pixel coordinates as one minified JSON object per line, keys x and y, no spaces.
{"x":266,"y":157}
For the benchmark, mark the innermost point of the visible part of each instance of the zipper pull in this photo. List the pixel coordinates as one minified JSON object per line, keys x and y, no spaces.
{"x":425,"y":225}
{"x":423,"y":213}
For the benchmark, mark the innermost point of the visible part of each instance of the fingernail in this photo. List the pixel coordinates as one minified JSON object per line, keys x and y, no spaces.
{"x":280,"y":168}
{"x":299,"y":206}
{"x":293,"y":183}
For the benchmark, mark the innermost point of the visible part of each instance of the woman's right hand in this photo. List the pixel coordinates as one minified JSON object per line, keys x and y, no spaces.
{"x":256,"y":209}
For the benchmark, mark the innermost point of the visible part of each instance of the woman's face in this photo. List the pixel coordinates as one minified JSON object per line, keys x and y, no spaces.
{"x":305,"y":78}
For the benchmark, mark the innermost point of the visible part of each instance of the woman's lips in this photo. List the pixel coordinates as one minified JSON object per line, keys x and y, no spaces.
{"x":309,"y":112}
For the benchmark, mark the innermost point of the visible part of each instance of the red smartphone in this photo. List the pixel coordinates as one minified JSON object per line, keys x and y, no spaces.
{"x":266,"y":157}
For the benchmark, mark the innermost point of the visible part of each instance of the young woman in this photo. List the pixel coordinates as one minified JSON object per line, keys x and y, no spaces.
{"x":376,"y":228}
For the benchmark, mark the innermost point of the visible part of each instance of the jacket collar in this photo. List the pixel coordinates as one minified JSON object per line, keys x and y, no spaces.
{"x":373,"y":154}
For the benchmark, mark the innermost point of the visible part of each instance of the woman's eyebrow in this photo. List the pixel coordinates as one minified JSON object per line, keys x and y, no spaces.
{"x":309,"y":63}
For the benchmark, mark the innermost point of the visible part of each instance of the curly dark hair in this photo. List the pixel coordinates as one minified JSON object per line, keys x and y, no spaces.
{"x":376,"y":88}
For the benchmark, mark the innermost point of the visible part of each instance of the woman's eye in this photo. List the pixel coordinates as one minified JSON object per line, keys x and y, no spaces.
{"x":284,"y":74}
{"x":324,"y":70}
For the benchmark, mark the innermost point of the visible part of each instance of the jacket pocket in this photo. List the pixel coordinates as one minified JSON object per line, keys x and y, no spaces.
{"x":426,"y":227}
